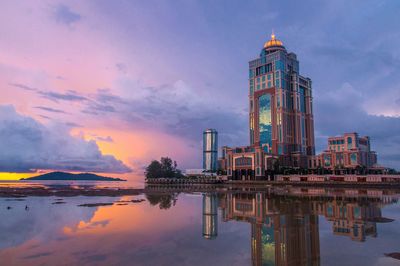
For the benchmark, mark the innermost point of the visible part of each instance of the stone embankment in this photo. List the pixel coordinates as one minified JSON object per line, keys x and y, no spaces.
{"x":293,"y":181}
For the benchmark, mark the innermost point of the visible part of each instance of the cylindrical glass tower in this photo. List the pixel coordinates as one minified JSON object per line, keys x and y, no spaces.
{"x":210,"y":150}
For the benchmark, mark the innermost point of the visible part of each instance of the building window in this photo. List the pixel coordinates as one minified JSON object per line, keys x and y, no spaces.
{"x":353,"y":158}
{"x":327,"y":160}
{"x":243,"y":161}
{"x":349,"y":143}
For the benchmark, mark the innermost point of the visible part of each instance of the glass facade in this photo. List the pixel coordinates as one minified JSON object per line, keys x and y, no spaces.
{"x":302,"y":100}
{"x":265,"y":123}
{"x":210,"y":150}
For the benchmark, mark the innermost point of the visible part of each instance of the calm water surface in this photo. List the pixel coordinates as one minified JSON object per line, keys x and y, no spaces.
{"x":231,"y":227}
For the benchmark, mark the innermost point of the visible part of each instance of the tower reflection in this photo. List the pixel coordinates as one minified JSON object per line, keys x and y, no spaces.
{"x":285,"y":227}
{"x":210,"y":216}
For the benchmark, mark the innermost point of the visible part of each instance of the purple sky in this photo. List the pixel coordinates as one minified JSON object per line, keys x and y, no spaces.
{"x":141,"y":79}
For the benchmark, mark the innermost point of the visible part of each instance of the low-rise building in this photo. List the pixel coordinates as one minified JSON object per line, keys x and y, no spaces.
{"x":349,"y":151}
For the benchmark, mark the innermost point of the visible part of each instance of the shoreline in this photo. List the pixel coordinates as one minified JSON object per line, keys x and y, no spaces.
{"x":157,"y":188}
{"x":66,"y":191}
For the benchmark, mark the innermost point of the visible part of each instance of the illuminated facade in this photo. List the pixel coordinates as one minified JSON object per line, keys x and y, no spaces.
{"x":210,"y":150}
{"x":281,"y":123}
{"x":280,"y":100}
{"x":347,"y":151}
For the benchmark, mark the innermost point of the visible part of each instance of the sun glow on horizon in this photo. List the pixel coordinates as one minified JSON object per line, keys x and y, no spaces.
{"x":4,"y":176}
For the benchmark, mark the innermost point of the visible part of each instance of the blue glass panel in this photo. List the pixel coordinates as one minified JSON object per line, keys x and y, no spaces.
{"x":302,"y":99}
{"x":265,"y":122}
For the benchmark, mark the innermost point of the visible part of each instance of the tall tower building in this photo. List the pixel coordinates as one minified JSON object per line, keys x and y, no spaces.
{"x":210,"y":150}
{"x":281,"y":122}
{"x":280,"y":114}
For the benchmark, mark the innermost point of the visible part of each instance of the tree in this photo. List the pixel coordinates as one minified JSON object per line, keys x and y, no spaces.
{"x":168,"y":167}
{"x":154,"y":170}
{"x":165,"y":168}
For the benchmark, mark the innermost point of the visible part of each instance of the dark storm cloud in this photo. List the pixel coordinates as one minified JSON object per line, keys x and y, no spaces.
{"x":31,"y":146}
{"x":64,"y":15}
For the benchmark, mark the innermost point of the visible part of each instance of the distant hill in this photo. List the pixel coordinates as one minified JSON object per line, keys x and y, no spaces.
{"x":69,"y":176}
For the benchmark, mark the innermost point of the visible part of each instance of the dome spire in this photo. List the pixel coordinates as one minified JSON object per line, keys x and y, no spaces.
{"x":273,"y":42}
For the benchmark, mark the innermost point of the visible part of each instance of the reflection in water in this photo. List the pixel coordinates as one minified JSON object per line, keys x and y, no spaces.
{"x":270,"y":226}
{"x":285,"y":229}
{"x":163,"y":200}
{"x":210,"y":215}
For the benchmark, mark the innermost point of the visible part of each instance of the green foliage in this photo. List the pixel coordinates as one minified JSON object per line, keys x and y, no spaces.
{"x":165,"y":168}
{"x":154,"y":170}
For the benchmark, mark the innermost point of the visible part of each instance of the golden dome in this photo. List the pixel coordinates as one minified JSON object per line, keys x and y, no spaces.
{"x":273,"y":42}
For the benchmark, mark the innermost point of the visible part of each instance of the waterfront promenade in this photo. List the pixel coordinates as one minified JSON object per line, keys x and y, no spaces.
{"x":348,"y":181}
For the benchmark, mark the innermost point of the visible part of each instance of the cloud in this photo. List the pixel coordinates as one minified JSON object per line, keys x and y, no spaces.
{"x":64,"y":15}
{"x":22,"y":86}
{"x":49,"y":109}
{"x":72,"y":124}
{"x":55,"y":96}
{"x":28,"y":145}
{"x":340,"y":111}
{"x":103,"y":139}
{"x":174,"y":108}
{"x":69,"y":95}
{"x":121,"y":67}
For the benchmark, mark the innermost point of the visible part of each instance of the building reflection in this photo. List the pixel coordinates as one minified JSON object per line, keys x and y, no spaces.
{"x":210,"y":216}
{"x":285,"y":228}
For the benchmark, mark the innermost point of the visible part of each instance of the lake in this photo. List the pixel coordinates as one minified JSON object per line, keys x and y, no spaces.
{"x":241,"y":226}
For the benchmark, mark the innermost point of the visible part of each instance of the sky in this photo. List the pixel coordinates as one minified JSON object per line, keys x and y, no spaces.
{"x":108,"y":86}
